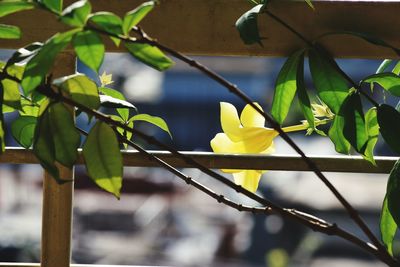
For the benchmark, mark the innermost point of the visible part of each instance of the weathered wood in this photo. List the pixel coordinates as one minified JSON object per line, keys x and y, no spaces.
{"x":206,"y":27}
{"x":14,"y":264}
{"x":57,"y":199}
{"x":131,"y":158}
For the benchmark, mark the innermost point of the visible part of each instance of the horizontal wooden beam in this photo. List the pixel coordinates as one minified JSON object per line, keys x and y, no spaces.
{"x":206,"y":27}
{"x":14,"y":264}
{"x":132,"y":158}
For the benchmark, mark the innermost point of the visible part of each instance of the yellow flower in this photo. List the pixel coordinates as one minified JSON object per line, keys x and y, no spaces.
{"x":246,"y":135}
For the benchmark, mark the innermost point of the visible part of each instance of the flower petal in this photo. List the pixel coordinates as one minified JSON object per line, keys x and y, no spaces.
{"x":222,"y":144}
{"x":230,"y":121}
{"x":251,"y":118}
{"x":248,"y":179}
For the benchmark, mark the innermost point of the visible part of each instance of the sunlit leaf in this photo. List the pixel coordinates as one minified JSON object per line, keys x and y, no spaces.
{"x":12,"y":96}
{"x":396,"y":69}
{"x":132,"y":18}
{"x":309,"y":3}
{"x":108,"y":22}
{"x":24,"y":53}
{"x":285,"y":87}
{"x":372,"y":127}
{"x":23,"y":129}
{"x":7,"y":8}
{"x":247,"y":25}
{"x":29,"y":108}
{"x":388,"y":80}
{"x":9,"y":32}
{"x":150,"y":55}
{"x":40,"y":64}
{"x":331,"y":86}
{"x":123,"y":112}
{"x":111,"y":102}
{"x":103,"y":158}
{"x":384,"y":66}
{"x":76,"y":14}
{"x":121,"y":131}
{"x":389,"y":125}
{"x":54,"y":5}
{"x":81,"y":89}
{"x":354,"y":128}
{"x":157,"y":121}
{"x":89,"y":48}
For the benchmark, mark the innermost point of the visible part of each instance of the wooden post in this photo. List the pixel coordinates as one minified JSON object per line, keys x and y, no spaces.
{"x":57,"y":199}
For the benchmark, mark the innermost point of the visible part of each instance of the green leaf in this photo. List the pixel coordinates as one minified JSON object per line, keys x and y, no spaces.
{"x":103,"y":158}
{"x":9,"y":32}
{"x":331,"y":86}
{"x":121,"y":131}
{"x":354,"y":129}
{"x":123,"y":112}
{"x":389,"y":125}
{"x":29,"y":108}
{"x":132,"y":18}
{"x":309,"y":3}
{"x":76,"y":14}
{"x":81,"y":89}
{"x":89,"y":48}
{"x":2,"y":127}
{"x":54,"y":5}
{"x":7,"y":8}
{"x":23,"y":130}
{"x":12,"y":96}
{"x":108,"y":22}
{"x":56,"y":139}
{"x":37,"y":68}
{"x":247,"y":25}
{"x":150,"y":55}
{"x":372,"y":127}
{"x":304,"y":100}
{"x":285,"y":87}
{"x":157,"y":121}
{"x":388,"y":227}
{"x":384,"y":65}
{"x":388,"y":80}
{"x":336,"y":135}
{"x":396,"y":69}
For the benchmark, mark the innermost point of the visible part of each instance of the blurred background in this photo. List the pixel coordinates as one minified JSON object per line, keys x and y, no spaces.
{"x":162,"y":221}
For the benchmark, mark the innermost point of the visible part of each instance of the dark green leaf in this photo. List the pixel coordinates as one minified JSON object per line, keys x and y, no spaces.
{"x":9,"y":32}
{"x":103,"y":158}
{"x":89,"y":48}
{"x":54,"y":5}
{"x":354,"y":128}
{"x":123,"y":112}
{"x":336,"y":135}
{"x":157,"y":121}
{"x":7,"y":8}
{"x":56,"y":139}
{"x":76,"y":14}
{"x":40,"y":64}
{"x":81,"y":89}
{"x":247,"y":26}
{"x":371,"y":123}
{"x":389,"y":126}
{"x":331,"y":86}
{"x":121,"y":131}
{"x":150,"y":55}
{"x":388,"y":80}
{"x":388,"y":227}
{"x":285,"y":87}
{"x":23,"y":129}
{"x":304,"y":100}
{"x":133,"y":17}
{"x":108,"y":22}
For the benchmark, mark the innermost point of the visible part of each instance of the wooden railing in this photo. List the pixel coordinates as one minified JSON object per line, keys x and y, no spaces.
{"x":206,"y":27}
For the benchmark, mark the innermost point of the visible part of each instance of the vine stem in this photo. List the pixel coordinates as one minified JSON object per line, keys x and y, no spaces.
{"x":310,"y":221}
